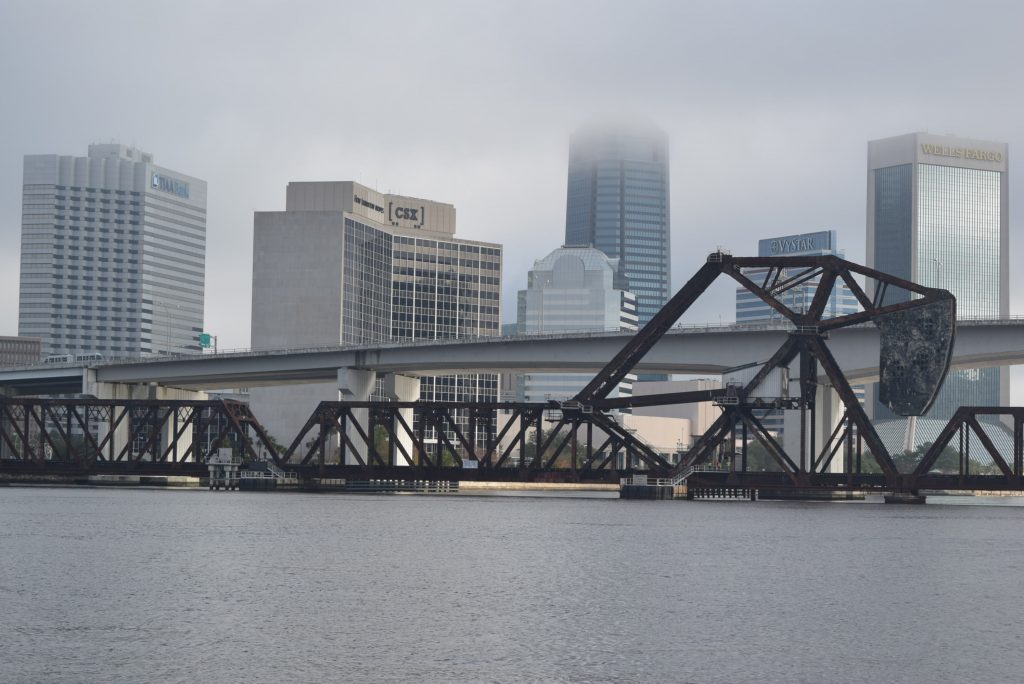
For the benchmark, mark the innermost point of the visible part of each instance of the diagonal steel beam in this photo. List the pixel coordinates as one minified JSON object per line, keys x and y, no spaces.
{"x":588,"y":464}
{"x":637,"y":346}
{"x":853,"y":408}
{"x":10,"y":419}
{"x":765,"y":296}
{"x":646,"y":454}
{"x":774,"y":449}
{"x":97,"y":453}
{"x":420,"y":447}
{"x":821,"y":296}
{"x":989,"y":446}
{"x":49,"y":410}
{"x":855,"y":287}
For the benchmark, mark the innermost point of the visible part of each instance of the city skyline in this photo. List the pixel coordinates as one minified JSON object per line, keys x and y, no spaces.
{"x":278,"y":423}
{"x":785,"y":135}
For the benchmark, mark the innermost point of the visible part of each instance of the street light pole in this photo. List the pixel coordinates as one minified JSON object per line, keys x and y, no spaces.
{"x":938,"y":264}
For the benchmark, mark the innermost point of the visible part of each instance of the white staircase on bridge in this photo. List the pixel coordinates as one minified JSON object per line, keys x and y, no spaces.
{"x":270,"y":471}
{"x":690,"y":470}
{"x":275,"y":471}
{"x":673,"y":481}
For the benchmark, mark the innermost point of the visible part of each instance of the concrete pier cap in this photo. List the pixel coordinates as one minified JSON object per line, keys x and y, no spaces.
{"x":401,"y":387}
{"x":356,"y":384}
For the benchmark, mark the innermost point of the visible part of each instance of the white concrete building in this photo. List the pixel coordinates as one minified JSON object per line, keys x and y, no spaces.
{"x":572,"y":289}
{"x":345,"y":264}
{"x":113,"y":254}
{"x":699,"y":415}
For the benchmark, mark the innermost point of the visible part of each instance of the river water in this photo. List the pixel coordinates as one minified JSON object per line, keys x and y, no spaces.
{"x":101,"y":585}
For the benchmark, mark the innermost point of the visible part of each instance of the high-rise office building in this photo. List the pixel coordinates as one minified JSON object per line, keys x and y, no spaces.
{"x":618,"y":201}
{"x":751,"y":309}
{"x":113,"y":254}
{"x":937,"y":214}
{"x":572,"y":289}
{"x":20,"y":351}
{"x":345,"y":264}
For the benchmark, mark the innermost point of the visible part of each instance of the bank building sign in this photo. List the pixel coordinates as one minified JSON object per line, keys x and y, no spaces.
{"x":171,"y":185}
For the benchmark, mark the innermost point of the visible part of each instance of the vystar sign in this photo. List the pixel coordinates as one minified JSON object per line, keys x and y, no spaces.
{"x":171,"y":185}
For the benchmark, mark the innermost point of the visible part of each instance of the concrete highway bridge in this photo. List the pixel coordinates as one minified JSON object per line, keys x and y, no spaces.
{"x":685,"y":350}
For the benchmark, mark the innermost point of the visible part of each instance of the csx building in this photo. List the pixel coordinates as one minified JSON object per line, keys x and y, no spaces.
{"x":345,"y":264}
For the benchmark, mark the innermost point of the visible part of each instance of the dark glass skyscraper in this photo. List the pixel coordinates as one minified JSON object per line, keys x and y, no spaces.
{"x":938,"y":215}
{"x":618,"y":202}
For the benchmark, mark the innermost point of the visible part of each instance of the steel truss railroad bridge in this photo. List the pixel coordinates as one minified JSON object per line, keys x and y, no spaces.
{"x":580,"y":440}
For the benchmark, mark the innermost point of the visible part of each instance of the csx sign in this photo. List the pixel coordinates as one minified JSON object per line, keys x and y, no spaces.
{"x":407,"y":214}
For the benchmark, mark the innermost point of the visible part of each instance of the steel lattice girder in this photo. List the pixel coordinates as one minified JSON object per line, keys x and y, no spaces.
{"x":807,"y":342}
{"x":23,"y":422}
{"x":355,"y":435}
{"x":88,"y":430}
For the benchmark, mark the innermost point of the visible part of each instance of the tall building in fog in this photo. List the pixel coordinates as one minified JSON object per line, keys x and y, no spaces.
{"x":937,"y":214}
{"x":345,"y":264}
{"x":572,"y":289}
{"x":618,"y":201}
{"x":113,"y":254}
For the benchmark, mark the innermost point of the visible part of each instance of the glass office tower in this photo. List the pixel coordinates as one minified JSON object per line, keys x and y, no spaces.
{"x":572,"y":289}
{"x":618,"y":201}
{"x":938,"y":215}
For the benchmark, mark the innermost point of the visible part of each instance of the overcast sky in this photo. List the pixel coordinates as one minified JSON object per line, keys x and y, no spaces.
{"x":768,"y":105}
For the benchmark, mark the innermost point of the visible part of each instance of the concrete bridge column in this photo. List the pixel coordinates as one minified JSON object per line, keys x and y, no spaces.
{"x":356,"y":384}
{"x":112,"y":391}
{"x":129,"y":391}
{"x":185,"y":426}
{"x":402,"y":388}
{"x":828,"y":412}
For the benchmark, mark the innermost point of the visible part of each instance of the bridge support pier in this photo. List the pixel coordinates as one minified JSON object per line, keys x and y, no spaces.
{"x":402,"y":388}
{"x":356,"y":384}
{"x":828,"y":411}
{"x":129,"y":391}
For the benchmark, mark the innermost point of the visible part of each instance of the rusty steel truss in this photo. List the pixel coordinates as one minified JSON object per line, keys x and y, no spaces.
{"x":503,"y":441}
{"x":920,"y":313}
{"x":582,"y":439}
{"x":502,"y":438}
{"x":88,"y":433}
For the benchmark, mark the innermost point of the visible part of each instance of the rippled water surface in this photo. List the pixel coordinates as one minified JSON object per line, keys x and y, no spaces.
{"x":193,"y":586}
